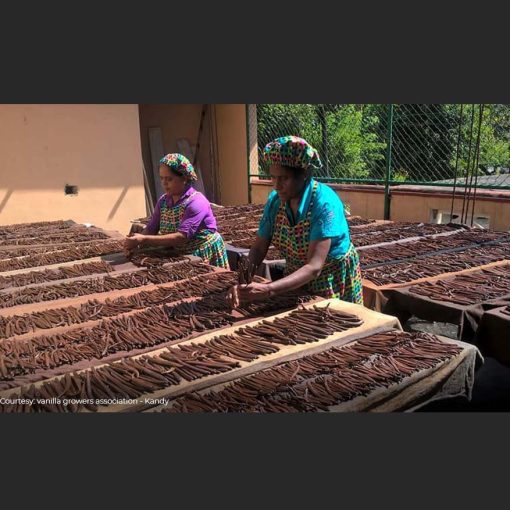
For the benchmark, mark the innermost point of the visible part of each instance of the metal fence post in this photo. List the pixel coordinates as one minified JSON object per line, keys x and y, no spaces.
{"x":389,"y":140}
{"x":248,"y":149}
{"x":324,"y":130}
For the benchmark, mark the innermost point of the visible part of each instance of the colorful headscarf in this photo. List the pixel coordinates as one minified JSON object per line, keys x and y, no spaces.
{"x":180,"y":164}
{"x":292,"y":151}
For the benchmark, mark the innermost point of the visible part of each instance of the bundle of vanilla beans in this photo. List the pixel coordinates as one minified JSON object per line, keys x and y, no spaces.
{"x":132,"y":378}
{"x":321,"y":381}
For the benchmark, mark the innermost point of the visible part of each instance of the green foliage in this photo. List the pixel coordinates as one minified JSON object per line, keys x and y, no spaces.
{"x":350,"y":145}
{"x":423,"y":141}
{"x":494,"y":138}
{"x":352,"y":139}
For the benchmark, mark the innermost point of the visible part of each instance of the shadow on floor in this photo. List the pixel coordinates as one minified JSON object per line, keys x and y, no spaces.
{"x":491,"y":392}
{"x":491,"y":389}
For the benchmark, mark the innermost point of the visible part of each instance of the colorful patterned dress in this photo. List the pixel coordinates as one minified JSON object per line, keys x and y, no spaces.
{"x":203,"y":239}
{"x":341,"y":275}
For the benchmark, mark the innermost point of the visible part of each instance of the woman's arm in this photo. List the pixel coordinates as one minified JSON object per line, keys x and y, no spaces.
{"x":258,"y":251}
{"x":317,"y":254}
{"x":164,"y":240}
{"x":174,"y":239}
{"x":151,"y":228}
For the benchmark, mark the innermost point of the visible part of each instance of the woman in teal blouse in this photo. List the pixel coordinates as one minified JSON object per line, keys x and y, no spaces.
{"x":305,"y":221}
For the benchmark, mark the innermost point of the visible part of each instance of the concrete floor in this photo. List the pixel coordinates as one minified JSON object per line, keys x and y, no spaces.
{"x":491,"y":390}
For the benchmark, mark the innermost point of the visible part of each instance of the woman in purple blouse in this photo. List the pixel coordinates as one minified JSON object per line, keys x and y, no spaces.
{"x":183,"y":217}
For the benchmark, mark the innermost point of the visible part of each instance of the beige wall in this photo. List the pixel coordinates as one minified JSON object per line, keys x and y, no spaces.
{"x":232,"y":153}
{"x":361,"y":203}
{"x":252,"y":139}
{"x":95,"y":147}
{"x":179,"y":121}
{"x":260,"y":192}
{"x":222,"y":156}
{"x":415,"y":207}
{"x":369,"y":203}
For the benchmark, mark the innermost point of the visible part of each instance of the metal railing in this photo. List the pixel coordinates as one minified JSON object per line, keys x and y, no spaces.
{"x":419,"y":144}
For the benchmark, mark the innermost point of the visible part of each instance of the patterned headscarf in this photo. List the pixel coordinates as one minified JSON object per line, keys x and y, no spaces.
{"x":292,"y":151}
{"x":181,"y":165}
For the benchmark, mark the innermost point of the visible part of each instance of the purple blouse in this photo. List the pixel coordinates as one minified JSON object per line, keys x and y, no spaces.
{"x":197,"y":216}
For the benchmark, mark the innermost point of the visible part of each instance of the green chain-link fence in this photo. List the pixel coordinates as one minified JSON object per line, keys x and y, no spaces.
{"x":433,"y":144}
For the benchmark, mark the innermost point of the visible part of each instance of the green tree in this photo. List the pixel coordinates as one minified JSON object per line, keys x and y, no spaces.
{"x":345,"y":135}
{"x":494,"y":138}
{"x":423,"y":141}
{"x":351,"y":139}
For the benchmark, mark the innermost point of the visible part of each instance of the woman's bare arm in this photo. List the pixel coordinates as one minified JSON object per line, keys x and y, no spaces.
{"x":174,"y":239}
{"x":317,"y":255}
{"x":258,"y":251}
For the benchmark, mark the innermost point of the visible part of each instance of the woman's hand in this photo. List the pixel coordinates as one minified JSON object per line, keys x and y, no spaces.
{"x":130,"y":243}
{"x":232,"y":297}
{"x":254,"y":292}
{"x":247,"y":293}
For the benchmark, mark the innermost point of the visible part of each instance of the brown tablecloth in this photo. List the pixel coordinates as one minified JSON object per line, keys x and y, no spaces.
{"x":395,"y":299}
{"x":269,"y":269}
{"x":493,"y":334}
{"x":404,"y":304}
